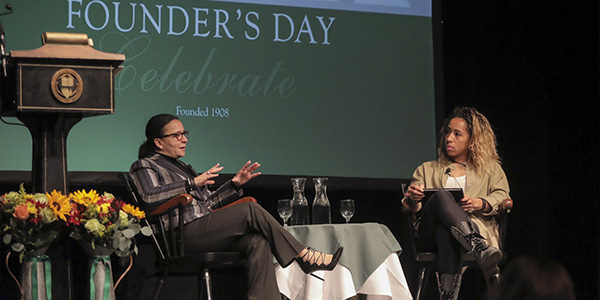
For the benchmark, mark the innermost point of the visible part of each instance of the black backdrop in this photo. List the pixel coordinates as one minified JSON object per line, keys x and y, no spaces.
{"x":532,"y":68}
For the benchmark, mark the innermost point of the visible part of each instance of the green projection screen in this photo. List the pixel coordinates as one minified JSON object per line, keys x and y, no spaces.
{"x":318,"y":88}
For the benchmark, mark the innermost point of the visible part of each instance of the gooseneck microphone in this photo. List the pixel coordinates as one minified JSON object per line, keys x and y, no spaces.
{"x":2,"y":41}
{"x":2,"y":50}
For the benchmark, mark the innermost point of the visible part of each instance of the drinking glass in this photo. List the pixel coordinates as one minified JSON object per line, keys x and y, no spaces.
{"x":347,"y":209}
{"x":285,"y":209}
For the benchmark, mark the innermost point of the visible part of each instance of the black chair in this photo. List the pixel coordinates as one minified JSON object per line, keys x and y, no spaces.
{"x":428,"y":260}
{"x":169,"y":246}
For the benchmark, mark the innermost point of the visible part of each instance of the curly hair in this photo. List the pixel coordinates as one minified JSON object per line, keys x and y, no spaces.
{"x":482,"y":144}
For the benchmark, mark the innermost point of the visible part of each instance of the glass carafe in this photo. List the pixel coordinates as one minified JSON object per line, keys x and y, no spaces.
{"x":321,"y":206}
{"x":299,"y":202}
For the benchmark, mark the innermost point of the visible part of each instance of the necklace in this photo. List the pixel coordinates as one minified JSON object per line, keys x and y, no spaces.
{"x":462,"y":164}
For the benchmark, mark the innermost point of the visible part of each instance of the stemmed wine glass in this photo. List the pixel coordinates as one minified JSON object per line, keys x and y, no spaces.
{"x":285,"y":209}
{"x":347,"y":209}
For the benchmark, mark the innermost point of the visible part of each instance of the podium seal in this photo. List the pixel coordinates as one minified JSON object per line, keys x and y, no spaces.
{"x":67,"y":85}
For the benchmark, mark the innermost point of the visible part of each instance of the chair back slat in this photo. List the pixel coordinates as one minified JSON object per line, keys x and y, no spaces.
{"x":502,"y":219}
{"x":412,"y":231}
{"x":174,"y":245}
{"x":134,"y":195}
{"x":179,"y":239}
{"x":155,"y":242}
{"x":163,"y":237}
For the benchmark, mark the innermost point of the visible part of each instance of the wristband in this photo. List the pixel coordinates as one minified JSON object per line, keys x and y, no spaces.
{"x":483,"y":204}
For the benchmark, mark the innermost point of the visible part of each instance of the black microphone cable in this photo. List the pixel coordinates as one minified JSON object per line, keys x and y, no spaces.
{"x":449,"y":173}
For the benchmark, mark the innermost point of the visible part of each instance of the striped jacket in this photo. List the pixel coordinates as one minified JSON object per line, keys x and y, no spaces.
{"x":157,"y":180}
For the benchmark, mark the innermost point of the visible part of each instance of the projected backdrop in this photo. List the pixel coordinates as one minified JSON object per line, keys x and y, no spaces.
{"x":306,"y":88}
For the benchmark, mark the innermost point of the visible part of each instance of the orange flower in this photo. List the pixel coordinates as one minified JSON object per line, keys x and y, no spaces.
{"x":21,"y":212}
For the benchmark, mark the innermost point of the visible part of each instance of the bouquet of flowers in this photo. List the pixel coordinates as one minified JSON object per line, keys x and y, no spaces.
{"x":31,"y":221}
{"x":102,"y":220}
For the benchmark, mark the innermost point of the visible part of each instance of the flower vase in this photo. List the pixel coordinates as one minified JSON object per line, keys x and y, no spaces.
{"x":101,"y":285}
{"x":36,"y":275}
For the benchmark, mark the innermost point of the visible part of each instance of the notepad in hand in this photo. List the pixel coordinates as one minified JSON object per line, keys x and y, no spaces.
{"x":456,"y":192}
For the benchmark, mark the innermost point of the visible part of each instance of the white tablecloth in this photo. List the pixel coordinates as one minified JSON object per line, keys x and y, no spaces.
{"x":378,"y":278}
{"x":386,"y":282}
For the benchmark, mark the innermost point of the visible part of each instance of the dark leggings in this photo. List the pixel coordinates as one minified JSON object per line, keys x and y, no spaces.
{"x":439,"y":214}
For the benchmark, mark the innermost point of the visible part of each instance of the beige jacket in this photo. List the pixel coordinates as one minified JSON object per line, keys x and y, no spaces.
{"x":491,"y":186}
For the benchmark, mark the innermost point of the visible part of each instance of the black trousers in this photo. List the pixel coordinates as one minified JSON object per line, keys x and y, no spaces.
{"x":248,"y":228}
{"x":439,"y":214}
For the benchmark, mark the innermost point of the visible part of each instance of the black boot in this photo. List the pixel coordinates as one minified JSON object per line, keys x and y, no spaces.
{"x":448,"y":286}
{"x":487,"y":256}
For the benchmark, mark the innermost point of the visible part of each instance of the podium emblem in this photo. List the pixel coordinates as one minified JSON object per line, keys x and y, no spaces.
{"x":67,"y":85}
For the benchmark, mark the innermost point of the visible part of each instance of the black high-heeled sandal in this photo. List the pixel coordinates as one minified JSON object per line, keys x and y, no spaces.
{"x":314,"y":256}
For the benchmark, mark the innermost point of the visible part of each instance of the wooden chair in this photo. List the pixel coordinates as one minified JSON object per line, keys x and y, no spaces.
{"x":428,"y":260}
{"x":169,"y":243}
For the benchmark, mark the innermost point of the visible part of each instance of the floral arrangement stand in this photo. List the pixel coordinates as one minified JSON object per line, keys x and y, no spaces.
{"x":29,"y":223}
{"x":36,"y":275}
{"x":103,"y":225}
{"x":101,"y":282}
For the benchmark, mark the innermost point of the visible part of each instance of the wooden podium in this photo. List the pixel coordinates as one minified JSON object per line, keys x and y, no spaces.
{"x":50,"y":89}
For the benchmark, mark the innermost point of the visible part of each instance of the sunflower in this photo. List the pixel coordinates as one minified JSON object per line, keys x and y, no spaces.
{"x":85,"y":198}
{"x":60,"y":204}
{"x":134,"y":211}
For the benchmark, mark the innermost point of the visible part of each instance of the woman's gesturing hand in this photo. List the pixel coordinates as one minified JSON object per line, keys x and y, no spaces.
{"x":246,"y":173}
{"x":206,"y":177}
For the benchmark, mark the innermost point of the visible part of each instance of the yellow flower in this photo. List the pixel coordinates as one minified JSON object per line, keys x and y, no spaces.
{"x":134,"y":211}
{"x":84,"y":198}
{"x":31,"y":208}
{"x":60,"y":204}
{"x":103,"y":208}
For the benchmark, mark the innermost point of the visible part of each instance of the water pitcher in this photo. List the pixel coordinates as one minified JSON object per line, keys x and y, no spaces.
{"x":299,"y":203}
{"x":321,"y":206}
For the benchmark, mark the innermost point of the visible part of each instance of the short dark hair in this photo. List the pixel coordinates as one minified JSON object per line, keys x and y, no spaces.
{"x":533,"y":278}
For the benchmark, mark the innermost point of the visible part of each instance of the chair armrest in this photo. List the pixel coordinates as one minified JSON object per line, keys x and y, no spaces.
{"x":506,"y":205}
{"x":182,"y":199}
{"x":241,"y":200}
{"x":405,"y":208}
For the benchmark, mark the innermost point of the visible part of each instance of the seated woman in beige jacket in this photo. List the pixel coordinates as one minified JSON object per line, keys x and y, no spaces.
{"x":467,"y":159}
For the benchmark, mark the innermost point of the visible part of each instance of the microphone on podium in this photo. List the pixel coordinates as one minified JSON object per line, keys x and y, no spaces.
{"x":2,"y":41}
